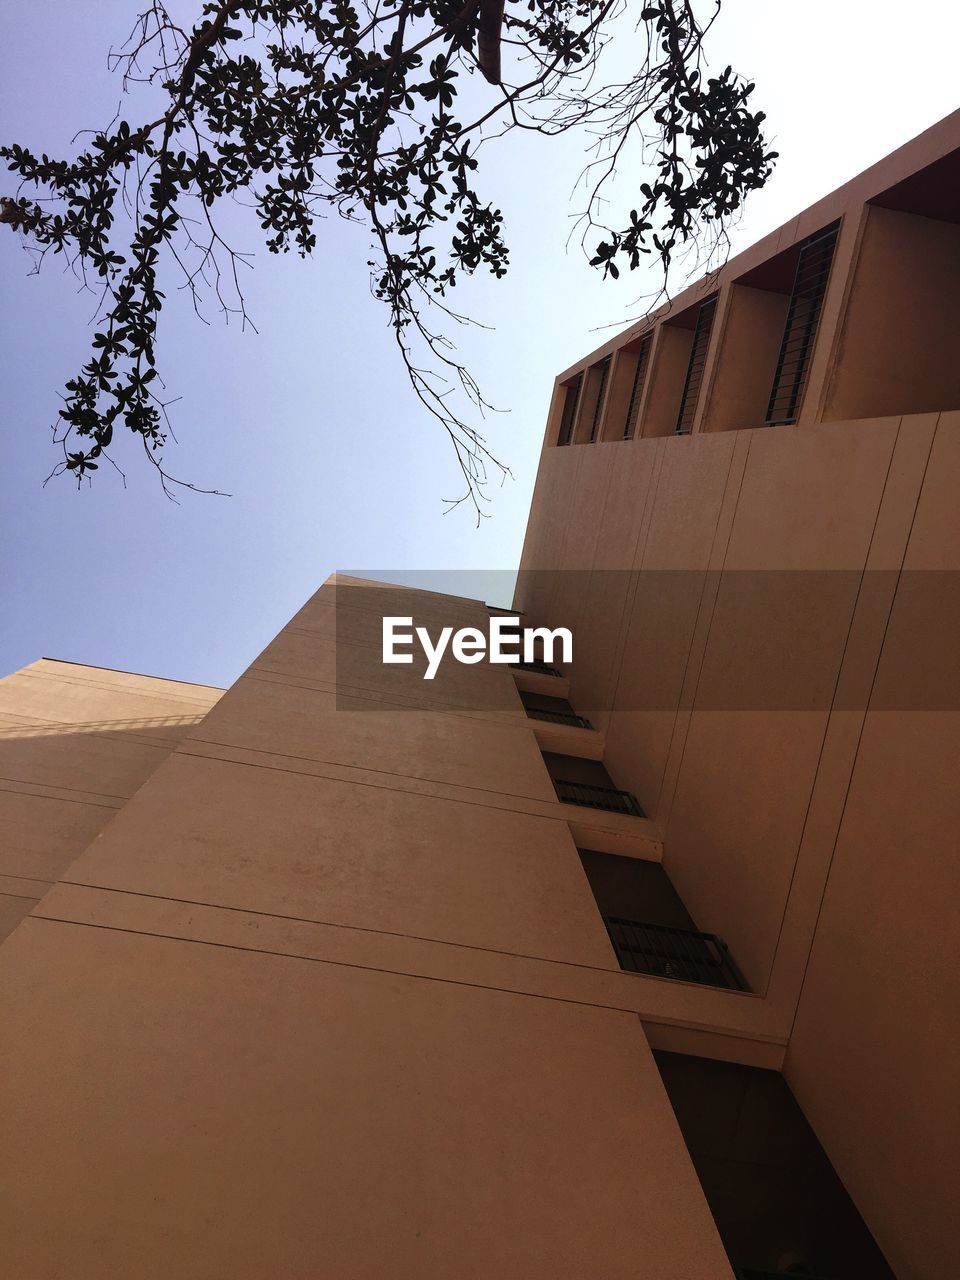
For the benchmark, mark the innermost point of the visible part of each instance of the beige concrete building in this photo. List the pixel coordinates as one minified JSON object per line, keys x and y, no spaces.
{"x":75,"y":744}
{"x":640,"y":968}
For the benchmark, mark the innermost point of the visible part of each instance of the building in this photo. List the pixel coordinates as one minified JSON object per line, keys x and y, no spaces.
{"x":638,"y":968}
{"x":75,"y":743}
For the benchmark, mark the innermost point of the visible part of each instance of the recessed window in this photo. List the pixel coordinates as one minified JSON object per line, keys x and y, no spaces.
{"x":800,"y":330}
{"x":602,"y":375}
{"x":593,"y":392}
{"x":541,"y":706}
{"x":778,"y":1205}
{"x":571,"y":398}
{"x":587,"y":783}
{"x":899,"y":325}
{"x":698,"y":359}
{"x":642,"y":357}
{"x":649,"y":927}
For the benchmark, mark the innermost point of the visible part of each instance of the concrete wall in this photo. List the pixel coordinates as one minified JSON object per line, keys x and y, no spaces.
{"x":738,"y":601}
{"x":751,"y":799}
{"x":330,"y":996}
{"x":875,"y":1041}
{"x":75,"y":743}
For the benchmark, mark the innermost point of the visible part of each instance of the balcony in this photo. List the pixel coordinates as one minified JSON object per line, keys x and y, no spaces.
{"x":590,"y":796}
{"x":584,"y":782}
{"x":685,"y":955}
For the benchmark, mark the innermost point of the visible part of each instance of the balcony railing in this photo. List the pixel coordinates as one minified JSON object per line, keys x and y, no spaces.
{"x":559,"y":717}
{"x":593,"y":797}
{"x":682,"y":954}
{"x":541,"y":668}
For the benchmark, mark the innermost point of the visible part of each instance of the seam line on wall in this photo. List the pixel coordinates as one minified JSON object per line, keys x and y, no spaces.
{"x":152,"y":695}
{"x":358,"y":691}
{"x":856,"y":754}
{"x":57,"y":786}
{"x":351,"y":928}
{"x":359,"y":768}
{"x":637,"y":553}
{"x":32,"y":795}
{"x":580,"y":816}
{"x":830,"y":710}
{"x":664,"y":818}
{"x":399,"y":973}
{"x":362,"y":693}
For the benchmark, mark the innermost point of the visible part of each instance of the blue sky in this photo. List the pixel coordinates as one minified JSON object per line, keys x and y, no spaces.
{"x":310,"y":425}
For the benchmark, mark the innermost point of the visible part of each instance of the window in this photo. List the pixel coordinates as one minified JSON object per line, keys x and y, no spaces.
{"x":636,"y":389}
{"x":698,"y":358}
{"x":604,"y":373}
{"x":800,"y":330}
{"x":571,"y":397}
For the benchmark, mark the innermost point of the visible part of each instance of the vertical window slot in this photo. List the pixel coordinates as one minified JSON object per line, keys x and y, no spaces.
{"x":603,"y":371}
{"x":698,"y":358}
{"x":570,"y":401}
{"x":636,"y":390}
{"x":800,"y":330}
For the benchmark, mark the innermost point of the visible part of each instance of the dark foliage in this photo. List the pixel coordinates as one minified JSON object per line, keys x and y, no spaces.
{"x":300,"y":106}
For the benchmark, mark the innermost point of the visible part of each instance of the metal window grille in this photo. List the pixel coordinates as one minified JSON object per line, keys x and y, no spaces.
{"x":636,"y":391}
{"x":593,"y":797}
{"x":682,"y":954}
{"x":542,"y":668}
{"x":570,"y":402}
{"x":698,"y":358}
{"x":800,"y":329}
{"x":603,"y":369}
{"x":559,"y":717}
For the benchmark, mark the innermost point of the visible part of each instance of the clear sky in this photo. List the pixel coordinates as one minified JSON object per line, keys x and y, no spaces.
{"x":310,"y":425}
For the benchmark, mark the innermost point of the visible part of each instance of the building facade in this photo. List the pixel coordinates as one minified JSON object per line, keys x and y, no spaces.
{"x":637,"y":968}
